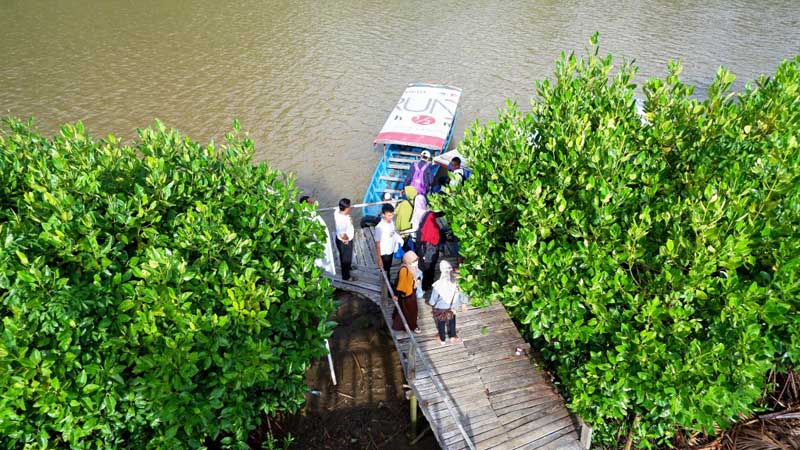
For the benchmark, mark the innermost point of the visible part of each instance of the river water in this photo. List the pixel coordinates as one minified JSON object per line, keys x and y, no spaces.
{"x":313,"y":80}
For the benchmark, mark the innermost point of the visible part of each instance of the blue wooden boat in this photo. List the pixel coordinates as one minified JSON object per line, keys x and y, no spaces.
{"x":423,"y":119}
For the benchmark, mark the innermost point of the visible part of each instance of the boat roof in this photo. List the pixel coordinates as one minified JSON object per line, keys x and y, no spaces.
{"x":423,"y":117}
{"x":445,"y":158}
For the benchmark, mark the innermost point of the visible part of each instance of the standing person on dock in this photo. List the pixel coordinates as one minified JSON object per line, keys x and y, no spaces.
{"x":386,"y":239}
{"x":344,"y":237}
{"x":446,"y":298}
{"x":406,"y":291}
{"x":429,"y":238}
{"x":403,"y":213}
{"x":420,"y":175}
{"x":420,"y":208}
{"x":326,"y":261}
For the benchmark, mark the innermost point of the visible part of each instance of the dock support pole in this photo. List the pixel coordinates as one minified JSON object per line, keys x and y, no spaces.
{"x":413,"y":406}
{"x":586,"y":434}
{"x":330,"y":362}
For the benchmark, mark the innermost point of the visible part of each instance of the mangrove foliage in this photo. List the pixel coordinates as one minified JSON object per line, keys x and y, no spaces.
{"x":654,"y":258}
{"x":157,"y":295}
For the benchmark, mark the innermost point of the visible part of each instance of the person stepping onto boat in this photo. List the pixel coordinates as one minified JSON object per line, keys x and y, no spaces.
{"x":406,"y":291}
{"x":386,"y":239}
{"x":344,"y":238}
{"x":420,"y":175}
{"x":445,"y":299}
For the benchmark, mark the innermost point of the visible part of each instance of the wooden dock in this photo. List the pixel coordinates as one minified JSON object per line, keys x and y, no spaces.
{"x":478,"y":393}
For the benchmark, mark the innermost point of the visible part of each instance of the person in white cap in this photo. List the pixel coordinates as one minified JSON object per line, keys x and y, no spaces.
{"x":420,"y":175}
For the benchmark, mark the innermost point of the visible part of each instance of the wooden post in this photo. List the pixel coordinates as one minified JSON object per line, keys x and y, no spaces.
{"x":412,"y":363}
{"x":586,"y":435}
{"x":413,"y":406}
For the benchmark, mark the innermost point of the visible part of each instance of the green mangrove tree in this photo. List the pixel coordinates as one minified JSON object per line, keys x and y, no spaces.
{"x":655,"y":258}
{"x":154,"y":295}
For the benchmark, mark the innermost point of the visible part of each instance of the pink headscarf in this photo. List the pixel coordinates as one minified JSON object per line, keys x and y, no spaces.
{"x":420,"y":208}
{"x":409,"y":258}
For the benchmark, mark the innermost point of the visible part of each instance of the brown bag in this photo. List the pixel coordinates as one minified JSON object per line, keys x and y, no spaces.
{"x":442,"y":315}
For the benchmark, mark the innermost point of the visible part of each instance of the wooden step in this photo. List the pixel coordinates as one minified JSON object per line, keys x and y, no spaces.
{"x":402,"y":160}
{"x":414,"y":155}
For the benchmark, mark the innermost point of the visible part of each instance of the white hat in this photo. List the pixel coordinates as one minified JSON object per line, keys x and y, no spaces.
{"x":425,"y":154}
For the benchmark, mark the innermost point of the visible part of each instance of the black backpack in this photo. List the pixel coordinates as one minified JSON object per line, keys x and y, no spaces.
{"x":428,"y":254}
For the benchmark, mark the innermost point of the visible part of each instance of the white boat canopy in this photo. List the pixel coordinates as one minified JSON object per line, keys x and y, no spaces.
{"x":445,"y":158}
{"x":422,"y":118}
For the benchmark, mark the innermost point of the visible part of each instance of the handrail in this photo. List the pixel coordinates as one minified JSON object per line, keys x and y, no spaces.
{"x":415,"y":346}
{"x":357,"y":205}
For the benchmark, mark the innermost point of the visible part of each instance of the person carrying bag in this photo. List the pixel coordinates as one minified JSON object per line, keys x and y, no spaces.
{"x":445,"y":299}
{"x":406,"y":291}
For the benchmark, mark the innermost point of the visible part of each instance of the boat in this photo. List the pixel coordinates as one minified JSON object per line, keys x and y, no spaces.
{"x":423,"y":119}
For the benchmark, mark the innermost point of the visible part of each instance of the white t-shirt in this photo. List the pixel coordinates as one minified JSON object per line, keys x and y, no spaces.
{"x":344,"y":225}
{"x":386,"y":234}
{"x":458,"y":177}
{"x":325,"y":262}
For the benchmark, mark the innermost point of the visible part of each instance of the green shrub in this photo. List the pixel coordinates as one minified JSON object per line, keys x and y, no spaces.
{"x":656,"y":262}
{"x":159,"y":295}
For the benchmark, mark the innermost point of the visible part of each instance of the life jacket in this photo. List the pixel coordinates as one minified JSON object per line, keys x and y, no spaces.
{"x":418,"y":181}
{"x":405,"y":210}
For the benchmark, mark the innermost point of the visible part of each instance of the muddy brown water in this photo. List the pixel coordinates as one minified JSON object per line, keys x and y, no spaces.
{"x":314,"y":81}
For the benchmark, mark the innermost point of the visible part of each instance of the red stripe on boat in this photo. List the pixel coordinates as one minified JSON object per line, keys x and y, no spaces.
{"x":431,"y":142}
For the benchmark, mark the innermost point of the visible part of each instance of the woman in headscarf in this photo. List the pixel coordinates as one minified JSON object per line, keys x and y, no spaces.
{"x":420,"y":208}
{"x":406,"y":291}
{"x":445,"y":299}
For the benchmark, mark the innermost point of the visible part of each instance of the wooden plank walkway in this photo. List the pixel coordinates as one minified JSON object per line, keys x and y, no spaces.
{"x":500,"y":399}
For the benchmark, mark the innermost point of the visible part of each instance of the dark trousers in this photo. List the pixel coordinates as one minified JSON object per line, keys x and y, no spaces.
{"x":345,"y":257}
{"x":451,"y":328}
{"x":429,"y":274}
{"x":387,"y":266}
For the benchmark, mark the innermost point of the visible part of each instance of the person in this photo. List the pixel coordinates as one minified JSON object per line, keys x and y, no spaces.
{"x":441,"y":182}
{"x":404,"y":210}
{"x":386,"y":239}
{"x":429,"y":238}
{"x":445,"y":299}
{"x":325,"y":262}
{"x":420,"y":208}
{"x":406,"y":293}
{"x":371,"y":221}
{"x":456,"y":170}
{"x":344,"y":237}
{"x":420,"y":175}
